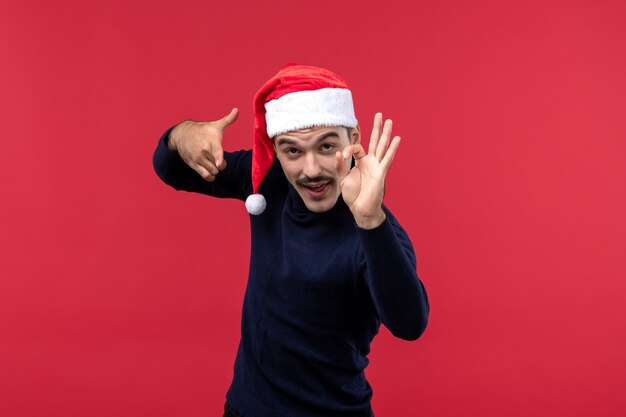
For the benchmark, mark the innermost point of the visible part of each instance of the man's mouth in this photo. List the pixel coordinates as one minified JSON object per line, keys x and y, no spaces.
{"x":316,"y":189}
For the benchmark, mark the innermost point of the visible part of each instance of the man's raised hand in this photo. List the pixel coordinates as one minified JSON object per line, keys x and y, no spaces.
{"x":362,"y":187}
{"x":199,"y":144}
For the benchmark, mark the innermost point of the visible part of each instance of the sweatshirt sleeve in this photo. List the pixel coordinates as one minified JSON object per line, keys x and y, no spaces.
{"x":233,"y":182}
{"x":398,"y":294}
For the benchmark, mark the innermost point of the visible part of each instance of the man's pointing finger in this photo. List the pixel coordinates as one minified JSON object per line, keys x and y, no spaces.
{"x":218,"y":156}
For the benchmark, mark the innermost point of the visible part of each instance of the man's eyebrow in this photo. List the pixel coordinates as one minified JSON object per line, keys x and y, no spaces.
{"x":326,"y":136}
{"x":287,"y":141}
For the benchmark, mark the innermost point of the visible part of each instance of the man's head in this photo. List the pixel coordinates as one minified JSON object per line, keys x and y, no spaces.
{"x":303,"y":115}
{"x":307,"y":157}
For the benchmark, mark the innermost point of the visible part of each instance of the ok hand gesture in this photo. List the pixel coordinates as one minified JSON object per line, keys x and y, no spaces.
{"x":199,"y":144}
{"x":362,"y":187}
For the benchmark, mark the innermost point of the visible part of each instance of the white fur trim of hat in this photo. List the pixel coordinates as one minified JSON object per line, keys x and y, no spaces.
{"x":310,"y":108}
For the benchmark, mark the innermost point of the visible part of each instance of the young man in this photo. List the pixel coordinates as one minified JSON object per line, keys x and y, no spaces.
{"x":329,"y":262}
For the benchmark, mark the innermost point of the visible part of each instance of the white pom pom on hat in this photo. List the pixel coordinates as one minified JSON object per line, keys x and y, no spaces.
{"x":297,"y":97}
{"x":255,"y":204}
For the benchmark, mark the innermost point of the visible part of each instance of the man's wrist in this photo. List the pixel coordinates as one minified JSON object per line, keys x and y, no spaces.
{"x":169,"y":140}
{"x":371,"y":222}
{"x":172,"y":139}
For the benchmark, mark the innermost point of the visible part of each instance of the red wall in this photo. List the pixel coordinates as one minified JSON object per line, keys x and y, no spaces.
{"x":122,"y":297}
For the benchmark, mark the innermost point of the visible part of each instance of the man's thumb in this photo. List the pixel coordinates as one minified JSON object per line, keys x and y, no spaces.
{"x":229,"y":119}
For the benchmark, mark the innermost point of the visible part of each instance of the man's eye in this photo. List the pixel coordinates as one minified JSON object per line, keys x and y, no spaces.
{"x":327,"y":146}
{"x":291,"y":151}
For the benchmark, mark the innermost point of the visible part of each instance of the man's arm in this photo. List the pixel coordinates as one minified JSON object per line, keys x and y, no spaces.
{"x":190,"y":157}
{"x":397,"y":292}
{"x":390,"y":272}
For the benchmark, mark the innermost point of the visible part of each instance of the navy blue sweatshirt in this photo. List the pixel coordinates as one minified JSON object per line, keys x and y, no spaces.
{"x":318,"y":289}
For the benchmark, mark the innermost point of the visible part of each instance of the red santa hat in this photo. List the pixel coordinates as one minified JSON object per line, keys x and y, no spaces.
{"x":297,"y":97}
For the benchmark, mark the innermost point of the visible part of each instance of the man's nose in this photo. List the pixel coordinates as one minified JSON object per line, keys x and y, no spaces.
{"x":312,"y":167}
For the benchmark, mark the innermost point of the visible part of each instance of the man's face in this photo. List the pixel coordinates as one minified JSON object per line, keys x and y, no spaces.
{"x":308,"y":160}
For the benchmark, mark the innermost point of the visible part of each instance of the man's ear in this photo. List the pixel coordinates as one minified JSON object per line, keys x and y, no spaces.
{"x":356,"y":135}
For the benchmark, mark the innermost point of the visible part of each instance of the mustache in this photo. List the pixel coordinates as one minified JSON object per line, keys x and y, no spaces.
{"x":319,"y":178}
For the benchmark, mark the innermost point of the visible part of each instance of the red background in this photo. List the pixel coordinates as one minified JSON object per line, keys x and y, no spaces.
{"x":122,"y":297}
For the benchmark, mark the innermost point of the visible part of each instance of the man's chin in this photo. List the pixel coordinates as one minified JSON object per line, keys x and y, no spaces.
{"x":320,"y":206}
